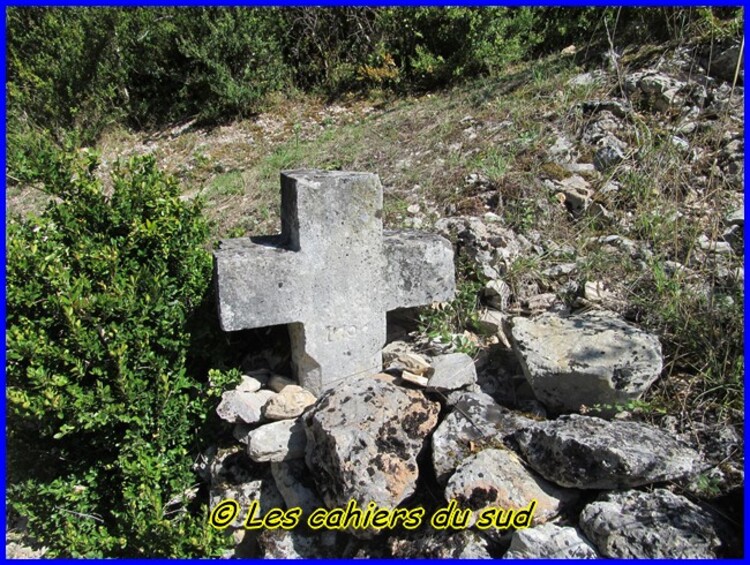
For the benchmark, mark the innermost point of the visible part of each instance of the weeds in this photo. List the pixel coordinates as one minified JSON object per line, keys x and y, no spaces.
{"x":447,"y":323}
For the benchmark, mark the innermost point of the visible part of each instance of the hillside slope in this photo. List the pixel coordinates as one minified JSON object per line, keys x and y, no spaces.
{"x":621,"y":182}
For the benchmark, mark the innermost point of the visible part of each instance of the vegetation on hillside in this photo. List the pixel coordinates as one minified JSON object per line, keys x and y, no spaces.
{"x":108,"y":358}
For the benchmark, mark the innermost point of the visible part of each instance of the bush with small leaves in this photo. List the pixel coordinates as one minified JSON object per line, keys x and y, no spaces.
{"x":102,"y":413}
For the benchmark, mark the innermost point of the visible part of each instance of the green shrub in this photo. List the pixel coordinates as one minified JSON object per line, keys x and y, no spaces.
{"x":87,"y":68}
{"x":102,"y":413}
{"x":214,"y":64}
{"x":437,"y":46}
{"x":63,"y":69}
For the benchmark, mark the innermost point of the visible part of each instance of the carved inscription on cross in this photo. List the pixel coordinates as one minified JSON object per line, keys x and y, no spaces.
{"x":331,"y":275}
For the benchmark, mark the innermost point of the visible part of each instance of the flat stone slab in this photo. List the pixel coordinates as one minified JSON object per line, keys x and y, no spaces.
{"x":586,"y":359}
{"x":650,"y":525}
{"x":591,"y":453}
{"x":331,"y":275}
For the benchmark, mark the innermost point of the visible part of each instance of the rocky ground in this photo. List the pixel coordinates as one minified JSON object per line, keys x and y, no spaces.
{"x":592,"y":359}
{"x":429,"y":432}
{"x":563,"y":398}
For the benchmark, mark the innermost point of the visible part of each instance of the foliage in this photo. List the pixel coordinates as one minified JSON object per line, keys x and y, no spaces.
{"x":62,"y":69}
{"x":102,"y":412}
{"x":88,"y":68}
{"x":447,"y":322}
{"x":701,"y":331}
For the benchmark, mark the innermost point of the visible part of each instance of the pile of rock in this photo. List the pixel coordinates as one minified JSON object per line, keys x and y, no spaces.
{"x":422,"y":436}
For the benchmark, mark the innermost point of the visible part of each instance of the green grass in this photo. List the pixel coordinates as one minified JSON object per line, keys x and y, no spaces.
{"x":226,"y":184}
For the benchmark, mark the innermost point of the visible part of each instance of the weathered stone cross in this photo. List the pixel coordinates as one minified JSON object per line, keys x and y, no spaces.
{"x":332,"y":274}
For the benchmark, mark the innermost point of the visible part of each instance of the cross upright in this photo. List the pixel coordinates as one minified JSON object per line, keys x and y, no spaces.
{"x":331,"y":275}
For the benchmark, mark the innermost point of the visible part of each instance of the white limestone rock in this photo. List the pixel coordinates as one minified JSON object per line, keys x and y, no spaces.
{"x":238,"y":406}
{"x":290,"y":402}
{"x":585,"y":359}
{"x":277,"y":441}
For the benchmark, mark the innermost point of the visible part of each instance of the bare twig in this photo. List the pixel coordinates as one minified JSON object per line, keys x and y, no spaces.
{"x":81,"y":515}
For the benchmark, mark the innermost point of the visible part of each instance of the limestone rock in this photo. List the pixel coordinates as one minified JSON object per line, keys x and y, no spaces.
{"x":650,"y":525}
{"x":249,"y":384}
{"x":602,"y":295}
{"x":591,"y":453}
{"x":490,"y":245}
{"x":234,"y":476}
{"x":439,"y":544}
{"x":577,"y":192}
{"x":363,"y":438}
{"x":491,"y":322}
{"x":585,"y":359}
{"x":560,"y":270}
{"x":452,"y":372}
{"x":597,"y":291}
{"x":475,"y":418}
{"x":298,"y":544}
{"x":296,"y":485}
{"x":498,"y":478}
{"x":587,"y":79}
{"x":277,"y":441}
{"x":16,"y":547}
{"x":393,"y":349}
{"x":660,"y":91}
{"x":719,"y":247}
{"x":418,"y":380}
{"x":497,"y":294}
{"x":243,"y":407}
{"x":550,"y":541}
{"x":540,"y":302}
{"x":290,"y":402}
{"x":609,"y":153}
{"x":735,"y":218}
{"x":412,"y":362}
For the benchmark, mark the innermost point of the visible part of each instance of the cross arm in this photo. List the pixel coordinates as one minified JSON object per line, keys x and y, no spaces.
{"x":419,"y":269}
{"x":257,"y":282}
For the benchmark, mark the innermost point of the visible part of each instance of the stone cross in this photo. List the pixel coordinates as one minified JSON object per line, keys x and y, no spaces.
{"x":331,"y":275}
